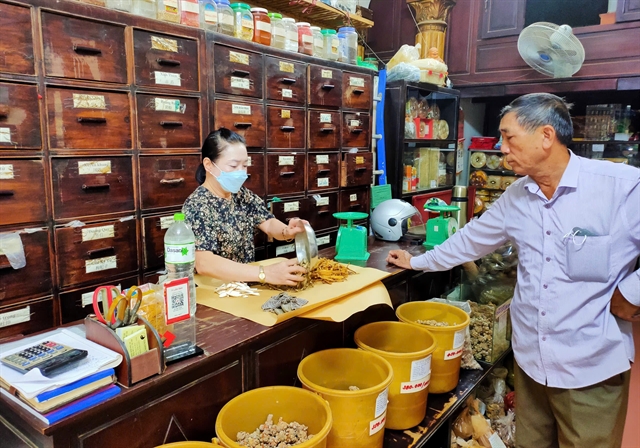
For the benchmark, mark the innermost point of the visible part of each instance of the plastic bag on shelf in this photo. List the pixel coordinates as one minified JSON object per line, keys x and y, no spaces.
{"x":406,"y":53}
{"x":403,"y":71}
{"x":505,"y":427}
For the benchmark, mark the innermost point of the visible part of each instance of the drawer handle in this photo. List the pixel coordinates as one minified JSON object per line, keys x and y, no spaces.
{"x":358,"y":91}
{"x":96,"y":253}
{"x":86,"y":50}
{"x":356,"y":131}
{"x":92,"y":120}
{"x":240,"y":72}
{"x":6,"y":193}
{"x":172,"y":181}
{"x":327,"y":86}
{"x":171,"y":123}
{"x":327,"y":130}
{"x":248,"y":175}
{"x":4,"y":111}
{"x":325,"y":171}
{"x":322,"y":212}
{"x":361,"y":168}
{"x":95,"y":187}
{"x":287,"y":128}
{"x":240,"y":124}
{"x":288,"y":81}
{"x":355,"y":206}
{"x":169,"y":62}
{"x":287,"y":173}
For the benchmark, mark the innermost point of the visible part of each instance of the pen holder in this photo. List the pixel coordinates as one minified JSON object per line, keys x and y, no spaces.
{"x":131,"y":370}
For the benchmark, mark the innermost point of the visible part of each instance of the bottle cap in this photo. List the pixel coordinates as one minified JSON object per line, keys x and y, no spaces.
{"x":178,"y":216}
{"x":328,"y":32}
{"x":240,"y":6}
{"x":275,"y":15}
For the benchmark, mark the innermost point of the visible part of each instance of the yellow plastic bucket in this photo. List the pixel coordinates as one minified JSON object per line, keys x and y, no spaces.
{"x":249,"y":410}
{"x":408,"y":349}
{"x":213,"y":444}
{"x":358,"y":415}
{"x":445,"y":364}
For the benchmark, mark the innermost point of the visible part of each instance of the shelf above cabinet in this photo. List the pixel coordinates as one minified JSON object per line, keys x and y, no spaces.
{"x":450,"y":144}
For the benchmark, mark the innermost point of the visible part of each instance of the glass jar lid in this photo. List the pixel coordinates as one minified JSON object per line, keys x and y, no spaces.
{"x":240,"y":6}
{"x":347,"y":29}
{"x":262,"y":10}
{"x":315,"y":28}
{"x":303,"y":24}
{"x":328,"y":32}
{"x":275,"y":15}
{"x":222,"y":2}
{"x":289,"y":20}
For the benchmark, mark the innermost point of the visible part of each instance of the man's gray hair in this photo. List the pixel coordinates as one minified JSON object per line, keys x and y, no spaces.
{"x":540,"y":109}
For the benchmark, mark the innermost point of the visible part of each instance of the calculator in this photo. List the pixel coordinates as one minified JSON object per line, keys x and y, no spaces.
{"x":50,"y":357}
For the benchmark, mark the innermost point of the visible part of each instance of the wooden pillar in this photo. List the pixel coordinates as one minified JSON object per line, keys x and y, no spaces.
{"x":432,"y":16}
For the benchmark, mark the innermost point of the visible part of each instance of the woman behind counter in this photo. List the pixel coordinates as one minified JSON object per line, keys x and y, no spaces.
{"x":223,"y":215}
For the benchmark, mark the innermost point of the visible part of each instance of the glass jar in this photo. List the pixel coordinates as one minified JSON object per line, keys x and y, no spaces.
{"x":305,"y":38}
{"x":261,"y":26}
{"x":120,"y":5}
{"x":290,"y":34}
{"x":190,"y":13}
{"x":226,"y":18}
{"x":348,"y":49}
{"x":208,"y":15}
{"x":169,"y":10}
{"x":145,"y":8}
{"x":243,"y":22}
{"x":278,"y":32}
{"x":331,"y":44}
{"x":318,"y":41}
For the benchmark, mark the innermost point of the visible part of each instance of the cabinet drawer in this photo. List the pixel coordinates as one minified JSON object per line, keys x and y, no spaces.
{"x":285,"y":173}
{"x":356,"y":91}
{"x":96,"y":251}
{"x":87,"y":186}
{"x":355,"y":130}
{"x":21,"y":190}
{"x":83,"y":49}
{"x":88,"y":119}
{"x":35,"y":278}
{"x":255,"y":171}
{"x":168,"y":122}
{"x":166,"y":62}
{"x":286,"y":80}
{"x":354,"y":200}
{"x":356,"y":169}
{"x":16,"y":45}
{"x":237,"y":72}
{"x":19,"y":116}
{"x":27,"y":318}
{"x":324,"y":129}
{"x":320,"y":211}
{"x":76,"y":305}
{"x":247,"y":119}
{"x":285,"y":128}
{"x":289,"y":208}
{"x":325,"y":86}
{"x":282,"y":249}
{"x":154,"y":228}
{"x":324,"y":170}
{"x":167,"y":181}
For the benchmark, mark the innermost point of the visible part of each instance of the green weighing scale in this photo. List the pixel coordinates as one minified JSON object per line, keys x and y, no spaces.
{"x":351,"y":243}
{"x":442,"y":227}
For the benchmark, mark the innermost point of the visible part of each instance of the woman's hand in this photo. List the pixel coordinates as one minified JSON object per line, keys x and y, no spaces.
{"x":287,"y":272}
{"x":296,"y":225}
{"x":400,"y":258}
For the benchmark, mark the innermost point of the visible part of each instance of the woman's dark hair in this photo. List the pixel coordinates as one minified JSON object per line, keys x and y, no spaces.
{"x":213,"y":145}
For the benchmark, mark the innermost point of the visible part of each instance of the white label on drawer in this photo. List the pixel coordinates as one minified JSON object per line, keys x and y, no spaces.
{"x":381,"y":402}
{"x":286,"y":160}
{"x":100,"y":264}
{"x":320,"y":201}
{"x":287,"y":93}
{"x":452,"y":354}
{"x":15,"y":317}
{"x":6,"y":171}
{"x":411,"y":387}
{"x":5,"y":135}
{"x":285,"y":113}
{"x":323,"y":182}
{"x":240,"y":109}
{"x":356,"y":82}
{"x":420,"y":369}
{"x":318,"y":43}
{"x":458,"y":338}
{"x":323,"y":240}
{"x":191,"y":7}
{"x":263,"y":26}
{"x":286,"y":249}
{"x":82,"y":101}
{"x":167,"y":79}
{"x":291,"y":206}
{"x":94,"y":167}
{"x":98,"y":233}
{"x":322,"y":158}
{"x":354,"y":123}
{"x":240,"y":83}
{"x":353,"y":197}
{"x":166,"y":221}
{"x":239,"y":58}
{"x":306,"y":39}
{"x":249,"y":161}
{"x":292,"y":35}
{"x":87,"y":298}
{"x":325,"y":118}
{"x":377,"y":425}
{"x":286,"y":67}
{"x":167,"y":105}
{"x":164,"y":44}
{"x":327,"y":74}
{"x":359,"y":160}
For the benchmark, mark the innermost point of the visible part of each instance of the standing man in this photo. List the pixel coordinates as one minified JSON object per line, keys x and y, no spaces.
{"x":576,"y":224}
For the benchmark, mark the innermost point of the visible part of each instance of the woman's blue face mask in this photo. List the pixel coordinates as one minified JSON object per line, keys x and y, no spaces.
{"x":231,"y":181}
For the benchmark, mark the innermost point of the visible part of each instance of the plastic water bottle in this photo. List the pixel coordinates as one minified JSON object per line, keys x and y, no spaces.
{"x":179,"y":287}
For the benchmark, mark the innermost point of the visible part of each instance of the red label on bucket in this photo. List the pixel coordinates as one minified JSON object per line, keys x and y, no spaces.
{"x":411,"y":387}
{"x":453,"y":354}
{"x":377,"y":424}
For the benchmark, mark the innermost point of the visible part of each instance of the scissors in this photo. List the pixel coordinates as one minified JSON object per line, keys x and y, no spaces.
{"x":106,"y":296}
{"x":124,"y":308}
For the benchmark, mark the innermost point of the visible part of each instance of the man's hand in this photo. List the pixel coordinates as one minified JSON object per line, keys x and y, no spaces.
{"x":623,"y":309}
{"x":400,"y":258}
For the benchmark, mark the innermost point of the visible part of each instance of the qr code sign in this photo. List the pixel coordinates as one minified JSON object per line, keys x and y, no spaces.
{"x":177,"y":300}
{"x":176,"y":296}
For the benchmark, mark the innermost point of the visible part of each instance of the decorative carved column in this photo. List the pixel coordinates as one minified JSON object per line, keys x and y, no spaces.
{"x":432,"y":16}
